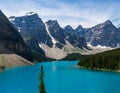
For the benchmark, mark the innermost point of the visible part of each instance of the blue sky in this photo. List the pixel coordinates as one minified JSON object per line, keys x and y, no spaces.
{"x":73,"y":12}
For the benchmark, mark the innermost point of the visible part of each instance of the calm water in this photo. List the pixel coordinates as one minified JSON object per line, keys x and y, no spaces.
{"x":60,"y":77}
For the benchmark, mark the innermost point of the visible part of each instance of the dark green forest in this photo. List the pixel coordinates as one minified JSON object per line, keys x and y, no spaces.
{"x":73,"y":56}
{"x":39,"y":58}
{"x":109,"y":60}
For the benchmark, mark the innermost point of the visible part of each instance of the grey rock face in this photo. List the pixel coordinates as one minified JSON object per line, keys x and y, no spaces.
{"x":56,"y":32}
{"x":34,"y":45}
{"x":67,"y":34}
{"x":75,"y":36}
{"x":80,"y":31}
{"x":11,"y":41}
{"x":105,"y":34}
{"x":32,"y":27}
{"x":69,"y":29}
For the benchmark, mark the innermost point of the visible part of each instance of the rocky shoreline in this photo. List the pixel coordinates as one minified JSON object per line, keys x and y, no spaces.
{"x":98,"y":69}
{"x":12,"y":60}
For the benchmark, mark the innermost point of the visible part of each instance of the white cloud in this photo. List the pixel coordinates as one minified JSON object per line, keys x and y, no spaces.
{"x":88,"y":14}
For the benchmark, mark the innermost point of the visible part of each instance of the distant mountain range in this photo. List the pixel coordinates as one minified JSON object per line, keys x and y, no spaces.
{"x":51,"y":40}
{"x":104,"y":34}
{"x":47,"y":38}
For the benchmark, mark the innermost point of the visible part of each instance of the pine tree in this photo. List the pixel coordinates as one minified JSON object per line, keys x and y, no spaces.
{"x":41,"y":78}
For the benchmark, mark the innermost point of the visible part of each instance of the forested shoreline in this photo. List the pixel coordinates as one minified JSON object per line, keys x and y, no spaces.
{"x":109,"y":60}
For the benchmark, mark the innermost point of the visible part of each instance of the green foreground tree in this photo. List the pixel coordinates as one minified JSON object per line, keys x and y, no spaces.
{"x":41,"y":78}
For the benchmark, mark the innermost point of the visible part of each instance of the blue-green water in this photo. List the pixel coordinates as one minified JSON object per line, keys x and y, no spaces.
{"x":60,"y":77}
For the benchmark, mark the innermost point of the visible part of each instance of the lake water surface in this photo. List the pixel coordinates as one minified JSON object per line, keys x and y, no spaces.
{"x":60,"y":77}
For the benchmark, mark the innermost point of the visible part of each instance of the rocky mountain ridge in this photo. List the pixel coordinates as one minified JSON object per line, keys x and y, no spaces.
{"x":11,"y":41}
{"x":49,"y":37}
{"x":13,"y":50}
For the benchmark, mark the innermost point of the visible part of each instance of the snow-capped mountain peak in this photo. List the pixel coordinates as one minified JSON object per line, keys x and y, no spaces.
{"x":30,"y":13}
{"x":12,"y":18}
{"x":108,"y":22}
{"x":52,"y":35}
{"x":104,"y":34}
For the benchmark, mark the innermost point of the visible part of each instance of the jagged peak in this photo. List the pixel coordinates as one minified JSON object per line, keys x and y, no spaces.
{"x":104,"y":24}
{"x":30,"y":14}
{"x":11,"y":18}
{"x":107,"y":22}
{"x":52,"y":22}
{"x":68,"y":27}
{"x":79,"y":27}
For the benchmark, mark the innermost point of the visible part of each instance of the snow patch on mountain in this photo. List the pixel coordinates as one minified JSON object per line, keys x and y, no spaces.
{"x":19,"y":29}
{"x":12,"y":19}
{"x":95,"y":49}
{"x":30,"y":13}
{"x":98,"y":47}
{"x":53,"y":40}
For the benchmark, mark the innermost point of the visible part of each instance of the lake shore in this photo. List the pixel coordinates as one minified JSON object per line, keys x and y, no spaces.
{"x":98,"y":69}
{"x":12,"y":60}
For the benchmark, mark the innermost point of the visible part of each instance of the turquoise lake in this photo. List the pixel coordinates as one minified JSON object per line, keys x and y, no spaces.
{"x":60,"y":77}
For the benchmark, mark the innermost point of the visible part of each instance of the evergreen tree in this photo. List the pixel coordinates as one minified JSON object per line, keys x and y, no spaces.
{"x":41,"y":78}
{"x":109,"y":60}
